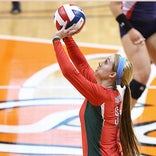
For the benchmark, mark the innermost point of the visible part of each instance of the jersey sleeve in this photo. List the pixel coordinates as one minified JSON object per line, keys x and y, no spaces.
{"x":90,"y":90}
{"x":78,"y":59}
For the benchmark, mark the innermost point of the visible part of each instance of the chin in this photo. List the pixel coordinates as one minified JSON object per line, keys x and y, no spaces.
{"x":95,"y":75}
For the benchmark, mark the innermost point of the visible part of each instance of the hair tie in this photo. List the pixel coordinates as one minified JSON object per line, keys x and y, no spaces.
{"x":120,"y":68}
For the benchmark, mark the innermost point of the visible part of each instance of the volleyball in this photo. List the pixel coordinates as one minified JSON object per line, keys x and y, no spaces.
{"x":70,"y":13}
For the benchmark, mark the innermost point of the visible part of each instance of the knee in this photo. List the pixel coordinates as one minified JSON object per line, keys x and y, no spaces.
{"x":137,"y":88}
{"x":142,"y":75}
{"x":145,"y":76}
{"x":138,"y":83}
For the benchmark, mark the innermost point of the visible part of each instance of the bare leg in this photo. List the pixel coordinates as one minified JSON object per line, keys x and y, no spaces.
{"x":151,"y":45}
{"x":139,"y":57}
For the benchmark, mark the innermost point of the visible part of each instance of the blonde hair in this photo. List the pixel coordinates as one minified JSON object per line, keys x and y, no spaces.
{"x":128,"y":139}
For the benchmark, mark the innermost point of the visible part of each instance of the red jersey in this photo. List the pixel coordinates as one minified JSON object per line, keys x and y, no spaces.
{"x":99,"y":113}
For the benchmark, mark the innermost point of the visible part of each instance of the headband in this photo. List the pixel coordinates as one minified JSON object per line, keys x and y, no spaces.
{"x":120,"y":68}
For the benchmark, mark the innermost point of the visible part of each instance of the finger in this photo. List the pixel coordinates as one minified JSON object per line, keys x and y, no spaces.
{"x":139,"y":41}
{"x":64,"y":26}
{"x":71,"y":27}
{"x":72,"y":32}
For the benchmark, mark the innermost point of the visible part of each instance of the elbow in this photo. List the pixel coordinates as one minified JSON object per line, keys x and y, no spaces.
{"x":115,"y":8}
{"x":112,"y":4}
{"x":67,"y":73}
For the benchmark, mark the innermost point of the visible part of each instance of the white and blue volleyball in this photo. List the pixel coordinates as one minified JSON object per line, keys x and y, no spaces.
{"x":72,"y":14}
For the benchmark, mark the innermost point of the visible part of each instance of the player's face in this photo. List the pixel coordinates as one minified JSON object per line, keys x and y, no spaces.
{"x":105,"y":68}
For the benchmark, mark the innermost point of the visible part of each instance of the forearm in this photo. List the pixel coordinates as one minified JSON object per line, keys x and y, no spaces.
{"x":69,"y":71}
{"x":62,"y":58}
{"x":75,"y":53}
{"x":115,"y":8}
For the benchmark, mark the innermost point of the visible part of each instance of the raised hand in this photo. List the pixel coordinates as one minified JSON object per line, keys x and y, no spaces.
{"x":62,"y":33}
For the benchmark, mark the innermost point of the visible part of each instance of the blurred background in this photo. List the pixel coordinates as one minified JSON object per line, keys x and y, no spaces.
{"x":36,"y":20}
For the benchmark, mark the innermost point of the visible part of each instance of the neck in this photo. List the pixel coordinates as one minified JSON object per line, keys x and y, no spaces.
{"x":107,"y":84}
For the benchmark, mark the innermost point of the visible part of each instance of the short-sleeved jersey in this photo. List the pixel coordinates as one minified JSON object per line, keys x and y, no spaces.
{"x":99,"y":113}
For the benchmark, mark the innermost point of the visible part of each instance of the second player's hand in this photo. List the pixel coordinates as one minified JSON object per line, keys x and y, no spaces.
{"x":136,"y":37}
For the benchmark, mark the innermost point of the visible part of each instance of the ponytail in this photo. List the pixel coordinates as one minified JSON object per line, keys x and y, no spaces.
{"x":127,"y":137}
{"x":128,"y":140}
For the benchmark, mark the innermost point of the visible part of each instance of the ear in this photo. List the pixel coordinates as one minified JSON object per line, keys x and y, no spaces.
{"x":112,"y":75}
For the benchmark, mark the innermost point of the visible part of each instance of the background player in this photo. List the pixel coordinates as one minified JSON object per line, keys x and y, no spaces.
{"x":137,"y":21}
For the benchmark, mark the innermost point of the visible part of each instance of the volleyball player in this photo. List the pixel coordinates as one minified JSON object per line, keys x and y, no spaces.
{"x":137,"y":21}
{"x":100,"y":112}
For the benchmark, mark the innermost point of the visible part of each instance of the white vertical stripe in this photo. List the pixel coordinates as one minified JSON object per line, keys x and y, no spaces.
{"x":58,"y":19}
{"x":69,"y":11}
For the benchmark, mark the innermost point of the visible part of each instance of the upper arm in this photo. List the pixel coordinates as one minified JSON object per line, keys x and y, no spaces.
{"x":93,"y":92}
